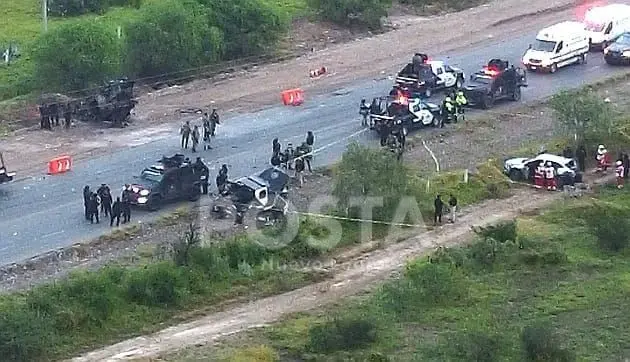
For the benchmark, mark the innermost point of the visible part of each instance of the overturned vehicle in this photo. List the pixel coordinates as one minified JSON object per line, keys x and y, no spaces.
{"x":496,"y":81}
{"x":266,"y":192}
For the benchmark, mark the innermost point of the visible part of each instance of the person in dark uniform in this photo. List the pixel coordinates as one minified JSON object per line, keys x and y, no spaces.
{"x":126,"y":204}
{"x":185,"y":132}
{"x":116,"y":211}
{"x":310,"y":138}
{"x":581,"y":158}
{"x":276,"y":147}
{"x":439,"y":208}
{"x":364,"y":111}
{"x":206,"y":132}
{"x":86,"y":201}
{"x":222,"y":178}
{"x":204,"y":173}
{"x":104,"y":193}
{"x":276,"y":161}
{"x":626,"y":165}
{"x":93,"y":208}
{"x":375,"y":108}
{"x":214,"y":120}
{"x":195,"y":138}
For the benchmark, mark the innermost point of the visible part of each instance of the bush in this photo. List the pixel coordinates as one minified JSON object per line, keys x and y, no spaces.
{"x":611,"y":227}
{"x":255,"y":354}
{"x":183,"y":248}
{"x":81,"y":7}
{"x":502,"y":232}
{"x":156,"y":285}
{"x":341,"y":335}
{"x":475,"y":346}
{"x":250,"y":26}
{"x":25,"y":334}
{"x":75,"y":55}
{"x":540,"y":344}
{"x":171,"y":36}
{"x":353,"y":13}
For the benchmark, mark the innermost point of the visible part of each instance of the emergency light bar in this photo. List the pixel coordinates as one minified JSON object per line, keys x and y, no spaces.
{"x":491,"y":71}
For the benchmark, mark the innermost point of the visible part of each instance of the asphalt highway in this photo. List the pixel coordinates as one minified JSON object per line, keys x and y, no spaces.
{"x":46,"y":212}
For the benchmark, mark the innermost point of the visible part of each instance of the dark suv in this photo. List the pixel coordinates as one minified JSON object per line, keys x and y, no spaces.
{"x":618,"y":52}
{"x":171,"y":179}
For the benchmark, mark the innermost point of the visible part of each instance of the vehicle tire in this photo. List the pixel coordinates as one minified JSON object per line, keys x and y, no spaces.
{"x":516,"y":175}
{"x":578,"y":178}
{"x":428,"y":92}
{"x":154,"y":203}
{"x":553,"y":68}
{"x":195,"y":194}
{"x":488,"y":101}
{"x":516,"y":95}
{"x":458,"y":83}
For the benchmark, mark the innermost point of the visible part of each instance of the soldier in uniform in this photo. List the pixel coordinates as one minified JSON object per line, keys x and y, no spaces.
{"x":126,"y":204}
{"x":214,"y":120}
{"x":185,"y":132}
{"x":204,"y":173}
{"x":195,"y":138}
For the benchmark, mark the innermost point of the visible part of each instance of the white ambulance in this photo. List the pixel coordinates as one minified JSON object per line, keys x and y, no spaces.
{"x":605,"y":23}
{"x":557,"y":46}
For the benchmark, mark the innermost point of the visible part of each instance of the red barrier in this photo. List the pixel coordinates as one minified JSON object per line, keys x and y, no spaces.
{"x":292,"y":97}
{"x":59,"y":165}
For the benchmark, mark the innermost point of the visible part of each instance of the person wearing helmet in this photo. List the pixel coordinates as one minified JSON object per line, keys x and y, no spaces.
{"x":619,"y":172}
{"x":364,"y":111}
{"x":461,"y":102}
{"x":214,"y":121}
{"x":603,"y":159}
{"x":448,"y":108}
{"x":539,"y":176}
{"x":550,"y":176}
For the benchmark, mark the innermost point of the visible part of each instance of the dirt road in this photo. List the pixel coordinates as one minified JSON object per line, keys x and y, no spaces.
{"x":350,"y":277}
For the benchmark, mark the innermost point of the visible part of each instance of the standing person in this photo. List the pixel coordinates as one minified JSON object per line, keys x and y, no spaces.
{"x":102,"y":192}
{"x":439,"y":208}
{"x":185,"y":132}
{"x":126,"y":204}
{"x":364,"y":111}
{"x":276,"y":147}
{"x":460,"y":102}
{"x":539,"y":176}
{"x":626,"y":165}
{"x":452,"y":203}
{"x":299,"y":170}
{"x":310,"y":138}
{"x":86,"y":201}
{"x":206,"y":132}
{"x":222,"y":178}
{"x":214,"y":121}
{"x":619,"y":171}
{"x":550,"y":177}
{"x":116,"y":211}
{"x":204,"y":172}
{"x":195,"y":138}
{"x":93,"y":208}
{"x":581,"y":158}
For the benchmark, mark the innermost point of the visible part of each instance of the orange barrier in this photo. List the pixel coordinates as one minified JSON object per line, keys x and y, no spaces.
{"x":292,"y":97}
{"x":318,"y":72}
{"x":59,"y":165}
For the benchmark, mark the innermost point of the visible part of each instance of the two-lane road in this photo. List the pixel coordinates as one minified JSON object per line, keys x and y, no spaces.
{"x":44,"y":213}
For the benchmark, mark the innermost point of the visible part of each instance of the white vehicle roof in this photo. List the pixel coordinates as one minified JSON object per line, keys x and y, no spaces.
{"x":607,"y":13}
{"x":560,"y":31}
{"x":553,"y":158}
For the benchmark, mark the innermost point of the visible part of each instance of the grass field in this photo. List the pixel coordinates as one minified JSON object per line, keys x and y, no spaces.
{"x":474,"y":303}
{"x":22,"y":23}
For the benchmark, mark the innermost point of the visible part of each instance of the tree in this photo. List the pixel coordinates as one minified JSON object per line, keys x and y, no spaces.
{"x":76,"y":55}
{"x":250,"y":26}
{"x":583,"y":115}
{"x":171,"y":36}
{"x":353,"y":13}
{"x":370,"y":172}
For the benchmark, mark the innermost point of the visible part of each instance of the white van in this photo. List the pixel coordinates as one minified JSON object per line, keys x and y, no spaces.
{"x":557,"y":46}
{"x":605,"y":23}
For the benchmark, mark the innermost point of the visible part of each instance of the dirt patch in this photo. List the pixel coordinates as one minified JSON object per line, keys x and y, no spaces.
{"x":259,"y":86}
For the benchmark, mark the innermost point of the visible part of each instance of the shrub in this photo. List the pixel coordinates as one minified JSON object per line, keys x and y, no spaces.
{"x":80,"y":7}
{"x":341,"y":334}
{"x":353,"y":13}
{"x":171,"y":36}
{"x":540,"y":344}
{"x":452,"y":256}
{"x":75,"y":55}
{"x":156,"y":285}
{"x":183,"y":247}
{"x":250,"y":26}
{"x":611,"y":228}
{"x":25,"y":334}
{"x":255,"y":354}
{"x":502,"y":232}
{"x":475,"y":346}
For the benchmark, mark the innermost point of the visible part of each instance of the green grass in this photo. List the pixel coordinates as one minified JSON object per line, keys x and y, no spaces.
{"x":583,"y":298}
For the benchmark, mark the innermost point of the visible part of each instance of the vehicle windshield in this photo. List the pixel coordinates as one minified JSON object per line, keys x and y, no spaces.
{"x":482,"y":79}
{"x":151,"y":177}
{"x":623,"y":39}
{"x":544,"y":46}
{"x":571,"y":164}
{"x":594,"y":26}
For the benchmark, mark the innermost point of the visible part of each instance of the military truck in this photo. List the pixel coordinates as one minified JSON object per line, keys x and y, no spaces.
{"x":113,"y":103}
{"x":5,"y":176}
{"x":497,"y":81}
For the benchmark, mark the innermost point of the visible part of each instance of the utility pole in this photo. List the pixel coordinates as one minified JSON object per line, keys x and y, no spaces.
{"x":45,"y":14}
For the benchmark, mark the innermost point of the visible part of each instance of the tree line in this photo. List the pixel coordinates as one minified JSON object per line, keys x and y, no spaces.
{"x":171,"y":36}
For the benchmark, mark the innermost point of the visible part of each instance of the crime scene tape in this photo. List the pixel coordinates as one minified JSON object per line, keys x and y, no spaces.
{"x":324,"y":216}
{"x":333,"y":143}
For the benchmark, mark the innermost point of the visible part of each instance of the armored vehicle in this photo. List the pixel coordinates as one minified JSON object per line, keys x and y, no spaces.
{"x":423,"y":76}
{"x":497,"y":81}
{"x":113,"y":103}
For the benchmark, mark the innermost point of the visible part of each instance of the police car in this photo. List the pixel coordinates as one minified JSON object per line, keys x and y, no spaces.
{"x":424,"y":76}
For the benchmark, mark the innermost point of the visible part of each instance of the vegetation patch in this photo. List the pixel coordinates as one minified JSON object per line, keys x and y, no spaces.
{"x":542,"y":288}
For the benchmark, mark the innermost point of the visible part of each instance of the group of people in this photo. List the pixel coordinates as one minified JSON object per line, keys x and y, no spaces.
{"x":108,"y":208}
{"x":453,"y":107}
{"x":193,"y":135}
{"x":622,"y":165}
{"x":298,"y":159}
{"x":51,"y":114}
{"x":440,"y":207}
